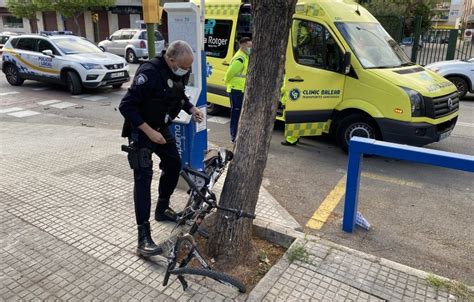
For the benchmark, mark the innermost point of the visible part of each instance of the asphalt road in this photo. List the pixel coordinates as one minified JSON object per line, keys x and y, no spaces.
{"x":421,"y":216}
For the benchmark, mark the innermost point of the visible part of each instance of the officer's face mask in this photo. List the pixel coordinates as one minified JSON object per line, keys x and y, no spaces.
{"x":249,"y":51}
{"x":179,"y":71}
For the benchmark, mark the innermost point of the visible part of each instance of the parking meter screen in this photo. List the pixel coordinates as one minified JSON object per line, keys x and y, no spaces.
{"x":217,"y":37}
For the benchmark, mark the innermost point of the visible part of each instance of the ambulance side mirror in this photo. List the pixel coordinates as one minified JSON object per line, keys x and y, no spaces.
{"x":345,"y":67}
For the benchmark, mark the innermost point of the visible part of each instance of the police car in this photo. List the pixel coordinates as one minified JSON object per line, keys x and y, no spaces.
{"x":60,"y":57}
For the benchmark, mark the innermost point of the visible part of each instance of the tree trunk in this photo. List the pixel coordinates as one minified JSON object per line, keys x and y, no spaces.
{"x":262,"y":94}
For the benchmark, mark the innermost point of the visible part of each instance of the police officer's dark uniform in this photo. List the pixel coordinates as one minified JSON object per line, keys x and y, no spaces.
{"x":155,"y":97}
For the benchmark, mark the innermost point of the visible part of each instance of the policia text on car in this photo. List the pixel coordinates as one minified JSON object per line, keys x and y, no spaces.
{"x":155,"y":98}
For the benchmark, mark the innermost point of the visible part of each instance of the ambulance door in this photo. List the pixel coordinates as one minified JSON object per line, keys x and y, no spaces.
{"x":313,"y":79}
{"x":219,"y":40}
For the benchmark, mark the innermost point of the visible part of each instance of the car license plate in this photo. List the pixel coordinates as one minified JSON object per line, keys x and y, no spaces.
{"x":445,"y":135}
{"x":117,"y":75}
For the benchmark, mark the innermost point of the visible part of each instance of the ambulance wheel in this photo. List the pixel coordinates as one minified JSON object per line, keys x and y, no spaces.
{"x":13,"y":76}
{"x":73,"y":83}
{"x":355,"y":125}
{"x":461,"y":85}
{"x":131,"y":57}
{"x":213,"y":109}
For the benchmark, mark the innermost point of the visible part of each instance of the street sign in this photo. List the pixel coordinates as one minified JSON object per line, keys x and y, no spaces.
{"x":468,"y":35}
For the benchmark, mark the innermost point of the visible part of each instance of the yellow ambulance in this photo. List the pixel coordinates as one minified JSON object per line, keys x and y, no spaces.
{"x":345,"y":75}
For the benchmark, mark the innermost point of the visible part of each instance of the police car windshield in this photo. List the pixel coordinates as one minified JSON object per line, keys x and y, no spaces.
{"x":74,"y":45}
{"x":373,"y":46}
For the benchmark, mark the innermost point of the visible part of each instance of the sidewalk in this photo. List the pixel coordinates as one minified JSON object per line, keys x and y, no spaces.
{"x":68,"y":233}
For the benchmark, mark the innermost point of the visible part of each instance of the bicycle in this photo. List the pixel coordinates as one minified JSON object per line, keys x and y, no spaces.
{"x":202,"y":201}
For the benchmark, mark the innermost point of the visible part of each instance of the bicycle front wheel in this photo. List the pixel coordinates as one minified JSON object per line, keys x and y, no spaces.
{"x":218,"y":276}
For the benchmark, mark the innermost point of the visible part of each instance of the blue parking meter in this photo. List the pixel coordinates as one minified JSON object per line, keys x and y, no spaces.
{"x":191,"y":137}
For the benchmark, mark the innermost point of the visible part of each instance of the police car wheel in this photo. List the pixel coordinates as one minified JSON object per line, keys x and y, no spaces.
{"x":116,"y":86}
{"x":461,"y":85}
{"x":73,"y":83}
{"x":355,"y":125}
{"x":131,"y":57}
{"x":13,"y":76}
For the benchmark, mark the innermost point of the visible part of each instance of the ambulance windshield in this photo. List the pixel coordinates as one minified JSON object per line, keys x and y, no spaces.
{"x":373,"y":46}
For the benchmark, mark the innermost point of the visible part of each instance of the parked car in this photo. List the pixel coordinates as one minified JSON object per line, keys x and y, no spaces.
{"x":131,"y":43}
{"x":408,"y":41}
{"x":4,"y":36}
{"x":62,"y":58}
{"x":460,"y":73}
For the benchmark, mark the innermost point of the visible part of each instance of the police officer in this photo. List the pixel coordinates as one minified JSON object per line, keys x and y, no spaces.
{"x":151,"y":103}
{"x":235,"y":82}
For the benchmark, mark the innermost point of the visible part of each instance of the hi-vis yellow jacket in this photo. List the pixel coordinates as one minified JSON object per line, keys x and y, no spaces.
{"x":237,"y":71}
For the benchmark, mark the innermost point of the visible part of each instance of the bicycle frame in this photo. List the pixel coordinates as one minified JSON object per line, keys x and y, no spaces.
{"x":203,"y":201}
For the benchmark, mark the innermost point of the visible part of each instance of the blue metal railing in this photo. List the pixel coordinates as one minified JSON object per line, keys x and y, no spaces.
{"x":360,"y":146}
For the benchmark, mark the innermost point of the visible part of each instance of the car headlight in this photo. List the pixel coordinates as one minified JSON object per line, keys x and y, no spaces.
{"x":89,"y":66}
{"x":417,"y":102}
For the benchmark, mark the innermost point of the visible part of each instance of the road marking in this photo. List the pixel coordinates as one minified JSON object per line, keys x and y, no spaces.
{"x":328,"y":205}
{"x":10,"y":109}
{"x":471,"y":125}
{"x":45,"y":103}
{"x":219,"y":120}
{"x":63,"y":105}
{"x":24,"y":113}
{"x":95,"y":98}
{"x":80,"y":96}
{"x":331,"y":201}
{"x":388,"y":179}
{"x":8,"y":93}
{"x":41,"y":88}
{"x":392,"y":180}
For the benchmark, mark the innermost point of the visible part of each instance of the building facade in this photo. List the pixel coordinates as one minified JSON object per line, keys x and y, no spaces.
{"x":95,"y":25}
{"x":453,"y":14}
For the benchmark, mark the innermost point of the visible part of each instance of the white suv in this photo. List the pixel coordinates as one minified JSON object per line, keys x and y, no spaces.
{"x":131,"y":44}
{"x":64,"y":59}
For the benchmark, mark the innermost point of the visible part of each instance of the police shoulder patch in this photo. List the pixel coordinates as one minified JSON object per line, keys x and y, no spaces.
{"x":140,"y":79}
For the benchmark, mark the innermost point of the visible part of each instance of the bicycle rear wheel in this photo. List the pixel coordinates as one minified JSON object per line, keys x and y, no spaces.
{"x":218,"y":276}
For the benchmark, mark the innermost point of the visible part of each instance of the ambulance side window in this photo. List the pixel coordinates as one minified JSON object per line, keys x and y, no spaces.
{"x":217,"y":37}
{"x":314,"y":46}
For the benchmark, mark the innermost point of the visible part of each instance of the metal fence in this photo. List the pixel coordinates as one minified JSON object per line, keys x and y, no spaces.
{"x":360,"y":146}
{"x":439,"y":45}
{"x":430,"y":46}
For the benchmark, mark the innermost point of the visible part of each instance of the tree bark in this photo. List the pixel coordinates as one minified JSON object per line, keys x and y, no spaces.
{"x":271,"y":24}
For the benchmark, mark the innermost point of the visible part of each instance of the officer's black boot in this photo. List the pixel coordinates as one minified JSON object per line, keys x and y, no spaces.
{"x":163,"y":211}
{"x":146,"y":246}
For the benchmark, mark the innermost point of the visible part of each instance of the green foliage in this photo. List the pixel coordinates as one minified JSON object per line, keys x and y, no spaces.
{"x":454,"y":287}
{"x":71,"y":8}
{"x":298,"y":252}
{"x":22,"y":8}
{"x":406,"y":8}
